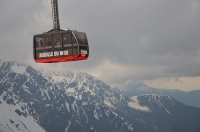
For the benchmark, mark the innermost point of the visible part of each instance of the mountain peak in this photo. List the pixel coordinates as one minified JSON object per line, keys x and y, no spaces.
{"x":76,"y":101}
{"x":135,"y":84}
{"x":1,"y":61}
{"x":136,"y":87}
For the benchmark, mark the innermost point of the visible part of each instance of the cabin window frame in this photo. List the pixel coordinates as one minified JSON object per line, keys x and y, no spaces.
{"x":56,"y":51}
{"x":38,"y":51}
{"x":49,"y":47}
{"x":74,"y":44}
{"x":67,"y":46}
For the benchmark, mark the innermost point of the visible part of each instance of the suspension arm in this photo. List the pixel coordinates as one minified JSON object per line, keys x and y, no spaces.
{"x":56,"y":23}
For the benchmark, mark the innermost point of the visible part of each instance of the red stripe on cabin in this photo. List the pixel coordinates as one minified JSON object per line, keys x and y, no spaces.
{"x":63,"y":59}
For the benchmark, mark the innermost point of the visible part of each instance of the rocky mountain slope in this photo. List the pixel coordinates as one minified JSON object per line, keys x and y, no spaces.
{"x":73,"y":102}
{"x":191,"y":98}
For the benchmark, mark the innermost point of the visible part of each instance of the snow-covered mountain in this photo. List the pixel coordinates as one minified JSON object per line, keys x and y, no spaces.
{"x":68,"y":102}
{"x":135,"y":88}
{"x":14,"y":117}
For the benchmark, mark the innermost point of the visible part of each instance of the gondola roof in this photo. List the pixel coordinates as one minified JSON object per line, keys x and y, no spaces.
{"x":53,"y":31}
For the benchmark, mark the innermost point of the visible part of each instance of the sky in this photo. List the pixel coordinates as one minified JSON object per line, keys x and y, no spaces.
{"x":154,"y":41}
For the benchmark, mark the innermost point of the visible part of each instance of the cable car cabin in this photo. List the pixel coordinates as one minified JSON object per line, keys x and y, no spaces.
{"x":60,"y":46}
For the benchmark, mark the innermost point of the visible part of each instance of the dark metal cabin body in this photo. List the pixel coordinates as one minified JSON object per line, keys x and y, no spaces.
{"x":60,"y":46}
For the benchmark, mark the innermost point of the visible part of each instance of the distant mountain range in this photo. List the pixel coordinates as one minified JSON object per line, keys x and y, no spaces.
{"x":41,"y":100}
{"x":133,"y":88}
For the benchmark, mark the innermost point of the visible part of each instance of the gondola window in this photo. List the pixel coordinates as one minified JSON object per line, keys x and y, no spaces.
{"x":48,"y":44}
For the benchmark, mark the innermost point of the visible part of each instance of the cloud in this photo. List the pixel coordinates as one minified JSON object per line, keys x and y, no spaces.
{"x":183,"y":83}
{"x":128,"y":40}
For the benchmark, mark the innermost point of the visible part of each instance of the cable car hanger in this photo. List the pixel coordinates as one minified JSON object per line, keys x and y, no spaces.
{"x":55,"y":15}
{"x":59,"y":45}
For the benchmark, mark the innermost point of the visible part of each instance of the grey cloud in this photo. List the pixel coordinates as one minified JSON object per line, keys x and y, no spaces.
{"x":140,"y":34}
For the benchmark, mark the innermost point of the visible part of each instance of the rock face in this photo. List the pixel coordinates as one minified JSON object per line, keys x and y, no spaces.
{"x":136,"y":88}
{"x":74,"y":102}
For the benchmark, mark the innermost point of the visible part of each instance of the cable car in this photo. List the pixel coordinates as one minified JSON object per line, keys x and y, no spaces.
{"x":60,"y":45}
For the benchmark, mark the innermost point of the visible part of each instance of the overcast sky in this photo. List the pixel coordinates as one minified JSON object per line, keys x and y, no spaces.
{"x":155,"y":41}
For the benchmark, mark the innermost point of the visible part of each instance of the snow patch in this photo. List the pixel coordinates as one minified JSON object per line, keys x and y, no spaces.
{"x":87,"y":89}
{"x":143,"y":121}
{"x":129,"y":126}
{"x":47,"y":105}
{"x":157,"y":99}
{"x":1,"y":61}
{"x":68,"y":126}
{"x":84,"y":103}
{"x":114,"y":113}
{"x":70,"y":90}
{"x":108,"y":104}
{"x":67,"y":106}
{"x":11,"y":121}
{"x":18,"y":69}
{"x":135,"y":105}
{"x":47,"y":94}
{"x":107,"y":112}
{"x":96,"y":114}
{"x":26,"y":89}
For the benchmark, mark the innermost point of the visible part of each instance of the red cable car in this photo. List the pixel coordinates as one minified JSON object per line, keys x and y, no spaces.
{"x":59,"y":45}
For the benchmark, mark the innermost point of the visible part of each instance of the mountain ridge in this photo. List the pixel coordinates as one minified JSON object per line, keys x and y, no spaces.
{"x":191,"y":98}
{"x":68,"y":101}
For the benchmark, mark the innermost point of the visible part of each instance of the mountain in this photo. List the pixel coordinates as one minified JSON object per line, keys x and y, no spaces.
{"x":11,"y":121}
{"x":55,"y":101}
{"x":135,"y":88}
